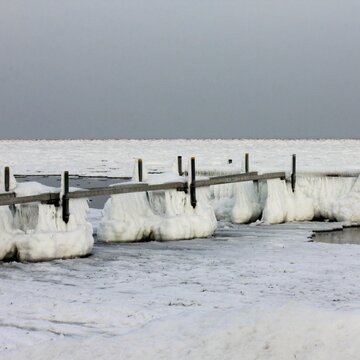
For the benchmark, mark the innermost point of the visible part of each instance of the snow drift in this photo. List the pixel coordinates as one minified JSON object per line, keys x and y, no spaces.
{"x":36,"y":232}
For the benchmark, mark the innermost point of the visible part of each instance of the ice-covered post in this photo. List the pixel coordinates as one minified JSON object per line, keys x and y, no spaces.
{"x":180,"y":166}
{"x":65,"y":198}
{"x":7,"y":178}
{"x":140,"y":169}
{"x":7,"y":186}
{"x":246,"y":162}
{"x":293,"y":173}
{"x":193,"y":184}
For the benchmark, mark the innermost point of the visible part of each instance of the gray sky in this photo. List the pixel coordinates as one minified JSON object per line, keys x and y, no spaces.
{"x":179,"y":69}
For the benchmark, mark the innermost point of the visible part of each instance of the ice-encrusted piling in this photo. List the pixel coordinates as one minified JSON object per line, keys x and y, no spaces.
{"x":140,"y":170}
{"x":293,"y":173}
{"x":247,"y":165}
{"x":7,"y":179}
{"x":192,"y":183}
{"x":179,"y":165}
{"x":65,"y":197}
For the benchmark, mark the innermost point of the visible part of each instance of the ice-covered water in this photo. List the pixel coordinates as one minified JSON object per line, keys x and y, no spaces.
{"x":116,"y":157}
{"x":239,"y":292}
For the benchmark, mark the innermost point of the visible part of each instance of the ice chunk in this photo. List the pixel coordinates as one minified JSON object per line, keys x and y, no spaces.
{"x":36,"y":232}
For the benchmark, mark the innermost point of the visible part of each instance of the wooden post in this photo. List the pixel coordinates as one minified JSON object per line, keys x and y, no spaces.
{"x":65,"y":198}
{"x":246,"y":162}
{"x":293,"y":173}
{"x":7,"y":187}
{"x":140,"y":170}
{"x":192,"y":184}
{"x":180,"y":166}
{"x":7,"y":178}
{"x":229,"y":161}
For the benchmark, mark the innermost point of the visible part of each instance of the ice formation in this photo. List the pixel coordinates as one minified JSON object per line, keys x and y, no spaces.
{"x":36,"y":232}
{"x":272,"y":202}
{"x":157,"y":215}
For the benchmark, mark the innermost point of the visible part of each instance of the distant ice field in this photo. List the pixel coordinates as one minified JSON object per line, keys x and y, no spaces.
{"x":116,"y":157}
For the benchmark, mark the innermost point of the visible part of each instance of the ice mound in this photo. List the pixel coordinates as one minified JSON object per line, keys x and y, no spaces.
{"x":272,"y":201}
{"x":315,"y":197}
{"x":36,"y":232}
{"x":247,"y":205}
{"x":282,"y":205}
{"x":157,"y":215}
{"x":179,"y":220}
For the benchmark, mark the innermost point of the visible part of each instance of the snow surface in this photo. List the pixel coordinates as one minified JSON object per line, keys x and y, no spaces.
{"x":252,"y":292}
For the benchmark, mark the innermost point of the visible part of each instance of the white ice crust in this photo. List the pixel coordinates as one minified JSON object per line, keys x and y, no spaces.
{"x":36,"y":232}
{"x":157,"y":215}
{"x":273,"y":201}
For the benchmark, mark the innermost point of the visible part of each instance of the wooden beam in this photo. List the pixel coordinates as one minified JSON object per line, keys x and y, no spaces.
{"x":8,"y":195}
{"x":228,"y":179}
{"x":53,"y":198}
{"x":126,"y":188}
{"x":46,"y":197}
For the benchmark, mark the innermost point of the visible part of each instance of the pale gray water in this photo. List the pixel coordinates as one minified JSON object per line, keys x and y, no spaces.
{"x":84,"y":182}
{"x":345,"y":236}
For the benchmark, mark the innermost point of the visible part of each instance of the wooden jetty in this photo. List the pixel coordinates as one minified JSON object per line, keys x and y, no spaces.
{"x":63,"y":196}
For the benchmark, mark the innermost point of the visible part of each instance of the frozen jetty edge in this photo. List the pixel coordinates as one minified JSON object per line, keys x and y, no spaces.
{"x":38,"y":231}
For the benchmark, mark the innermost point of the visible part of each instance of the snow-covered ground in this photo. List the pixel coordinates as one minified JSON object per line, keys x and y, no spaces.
{"x":249,"y":292}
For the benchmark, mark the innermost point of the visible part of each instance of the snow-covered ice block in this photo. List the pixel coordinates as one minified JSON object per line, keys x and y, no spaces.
{"x":247,"y":206}
{"x":127,"y":218}
{"x":282,"y":205}
{"x":158,"y":215}
{"x":315,"y":197}
{"x":179,"y":220}
{"x":36,"y":232}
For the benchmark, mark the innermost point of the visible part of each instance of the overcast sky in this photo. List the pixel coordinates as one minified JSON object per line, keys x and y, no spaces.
{"x":179,"y":69}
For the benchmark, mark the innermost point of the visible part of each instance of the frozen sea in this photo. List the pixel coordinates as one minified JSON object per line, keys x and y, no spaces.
{"x":249,"y":292}
{"x":116,"y":157}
